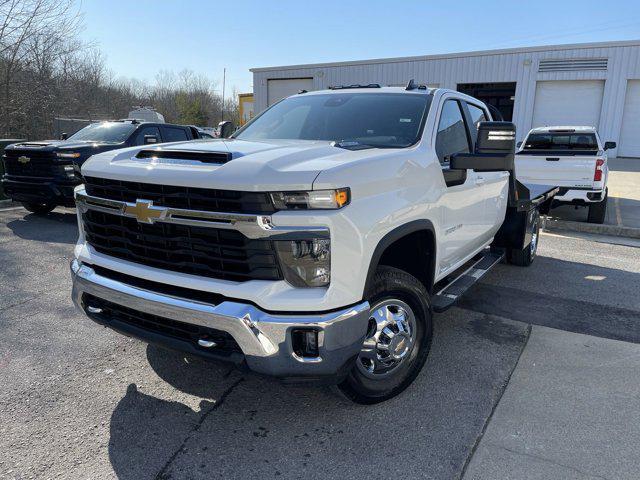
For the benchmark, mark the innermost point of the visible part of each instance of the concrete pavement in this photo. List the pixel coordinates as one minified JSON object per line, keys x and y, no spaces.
{"x":571,"y":411}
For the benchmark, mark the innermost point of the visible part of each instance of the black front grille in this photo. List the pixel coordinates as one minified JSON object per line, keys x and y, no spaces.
{"x":39,"y":164}
{"x":208,"y":252}
{"x":225,"y":343}
{"x":190,"y":198}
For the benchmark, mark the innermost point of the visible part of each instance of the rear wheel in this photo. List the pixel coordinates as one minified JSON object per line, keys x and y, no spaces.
{"x":525,"y":257}
{"x":398,"y":338}
{"x":39,"y":208}
{"x":598,"y":211}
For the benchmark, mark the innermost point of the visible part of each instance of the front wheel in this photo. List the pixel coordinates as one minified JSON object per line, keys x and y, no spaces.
{"x":39,"y":208}
{"x":398,"y":338}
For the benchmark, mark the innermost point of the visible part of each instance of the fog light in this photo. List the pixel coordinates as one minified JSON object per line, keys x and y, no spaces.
{"x":305,"y":343}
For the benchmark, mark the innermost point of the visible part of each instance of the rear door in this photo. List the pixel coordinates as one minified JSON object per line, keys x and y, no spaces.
{"x":558,"y":158}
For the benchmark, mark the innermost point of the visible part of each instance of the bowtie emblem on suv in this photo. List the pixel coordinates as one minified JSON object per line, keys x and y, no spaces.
{"x":145,"y":212}
{"x":24,"y":159}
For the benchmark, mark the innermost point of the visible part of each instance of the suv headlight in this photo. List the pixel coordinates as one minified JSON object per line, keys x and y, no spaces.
{"x":312,"y":200}
{"x":68,"y":155}
{"x":306,"y":263}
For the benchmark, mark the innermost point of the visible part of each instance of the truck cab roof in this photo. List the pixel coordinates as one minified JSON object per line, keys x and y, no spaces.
{"x":564,"y":129}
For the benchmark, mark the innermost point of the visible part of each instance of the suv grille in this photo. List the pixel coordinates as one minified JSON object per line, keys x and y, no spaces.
{"x":226,"y":344}
{"x":209,"y":252}
{"x":40,"y":164}
{"x":226,"y":201}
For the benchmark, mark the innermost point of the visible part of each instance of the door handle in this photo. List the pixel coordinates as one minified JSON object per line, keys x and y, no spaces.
{"x":553,"y":159}
{"x":479,"y":180}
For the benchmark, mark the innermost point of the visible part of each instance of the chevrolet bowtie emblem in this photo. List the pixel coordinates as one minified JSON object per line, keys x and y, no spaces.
{"x":24,"y":159}
{"x":145,"y":212}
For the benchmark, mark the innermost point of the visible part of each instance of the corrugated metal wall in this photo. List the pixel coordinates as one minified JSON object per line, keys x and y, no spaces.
{"x":520,"y":66}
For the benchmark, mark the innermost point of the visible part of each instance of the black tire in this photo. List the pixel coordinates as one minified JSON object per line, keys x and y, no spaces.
{"x":525,"y":257}
{"x":393,"y":285}
{"x":39,"y":208}
{"x":598,"y":211}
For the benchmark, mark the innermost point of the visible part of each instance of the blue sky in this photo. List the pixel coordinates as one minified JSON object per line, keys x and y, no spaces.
{"x":142,"y":37}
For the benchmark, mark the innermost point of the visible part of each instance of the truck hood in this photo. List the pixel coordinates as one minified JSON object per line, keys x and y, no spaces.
{"x":268,"y":165}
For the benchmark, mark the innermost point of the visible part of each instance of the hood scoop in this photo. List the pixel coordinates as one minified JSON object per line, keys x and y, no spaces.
{"x":34,"y":144}
{"x":184,"y":156}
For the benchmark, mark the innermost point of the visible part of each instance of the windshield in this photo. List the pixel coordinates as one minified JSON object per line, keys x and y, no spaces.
{"x":104,"y":132}
{"x":561,"y":141}
{"x":384,"y":120}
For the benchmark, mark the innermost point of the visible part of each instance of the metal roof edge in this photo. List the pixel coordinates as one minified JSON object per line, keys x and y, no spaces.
{"x":477,"y":53}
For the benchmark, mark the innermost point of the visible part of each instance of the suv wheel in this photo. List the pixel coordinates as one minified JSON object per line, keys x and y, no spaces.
{"x":39,"y":208}
{"x":397,"y":341}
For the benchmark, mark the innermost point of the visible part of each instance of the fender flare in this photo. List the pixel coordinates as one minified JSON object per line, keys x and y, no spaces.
{"x":395,"y":235}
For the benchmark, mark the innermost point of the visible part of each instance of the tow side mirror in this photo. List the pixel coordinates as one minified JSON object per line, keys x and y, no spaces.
{"x":226,"y":129}
{"x":495,"y":149}
{"x":610,"y":145}
{"x":518,"y":145}
{"x":150,"y":139}
{"x":64,"y":136}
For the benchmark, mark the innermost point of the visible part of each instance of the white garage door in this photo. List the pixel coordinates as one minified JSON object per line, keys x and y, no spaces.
{"x":568,"y":103}
{"x":630,"y":132}
{"x":281,"y":88}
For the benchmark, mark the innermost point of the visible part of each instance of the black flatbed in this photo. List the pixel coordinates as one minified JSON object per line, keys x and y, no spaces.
{"x":531,"y":195}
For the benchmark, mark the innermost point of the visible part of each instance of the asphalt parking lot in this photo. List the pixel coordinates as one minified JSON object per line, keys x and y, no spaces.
{"x":79,"y":401}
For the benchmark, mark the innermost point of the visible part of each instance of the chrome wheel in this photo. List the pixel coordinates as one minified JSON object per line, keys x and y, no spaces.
{"x":390,"y":339}
{"x":533,"y":246}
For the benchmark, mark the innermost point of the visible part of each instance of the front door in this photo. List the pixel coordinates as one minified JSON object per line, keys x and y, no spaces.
{"x":463,"y":203}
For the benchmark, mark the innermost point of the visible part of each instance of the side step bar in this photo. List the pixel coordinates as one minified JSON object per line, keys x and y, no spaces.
{"x":449,"y":295}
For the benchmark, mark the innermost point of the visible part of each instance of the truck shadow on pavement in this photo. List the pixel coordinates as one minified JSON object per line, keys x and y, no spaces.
{"x":575,"y":297}
{"x":55,"y":227}
{"x":247,"y":426}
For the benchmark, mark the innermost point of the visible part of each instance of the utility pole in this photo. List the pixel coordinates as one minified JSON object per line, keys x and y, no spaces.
{"x":224,"y":78}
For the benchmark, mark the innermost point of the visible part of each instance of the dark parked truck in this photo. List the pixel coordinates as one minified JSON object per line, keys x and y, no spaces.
{"x":43,"y":174}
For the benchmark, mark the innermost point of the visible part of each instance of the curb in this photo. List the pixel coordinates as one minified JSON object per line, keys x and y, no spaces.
{"x":566,"y":225}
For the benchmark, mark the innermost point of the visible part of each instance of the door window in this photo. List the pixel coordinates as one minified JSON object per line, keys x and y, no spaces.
{"x":147,"y":131}
{"x":477,"y":115}
{"x":172,"y":134}
{"x":452,"y":136}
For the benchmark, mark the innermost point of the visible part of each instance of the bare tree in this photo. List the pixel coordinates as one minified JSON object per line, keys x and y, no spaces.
{"x":47,"y":71}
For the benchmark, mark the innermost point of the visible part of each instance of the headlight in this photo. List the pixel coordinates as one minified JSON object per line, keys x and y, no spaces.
{"x":314,"y":200}
{"x":306,"y":263}
{"x":68,"y":155}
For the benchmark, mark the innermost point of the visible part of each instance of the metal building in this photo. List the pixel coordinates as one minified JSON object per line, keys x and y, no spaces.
{"x":584,"y":84}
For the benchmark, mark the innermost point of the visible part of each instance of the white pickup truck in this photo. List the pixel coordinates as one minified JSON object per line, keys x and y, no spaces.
{"x":572,"y":158}
{"x":316,"y":242}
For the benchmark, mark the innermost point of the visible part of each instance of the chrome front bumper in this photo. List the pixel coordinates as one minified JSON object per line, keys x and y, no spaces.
{"x":264,"y":338}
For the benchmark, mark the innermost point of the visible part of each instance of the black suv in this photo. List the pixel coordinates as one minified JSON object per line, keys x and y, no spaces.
{"x":42,"y":175}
